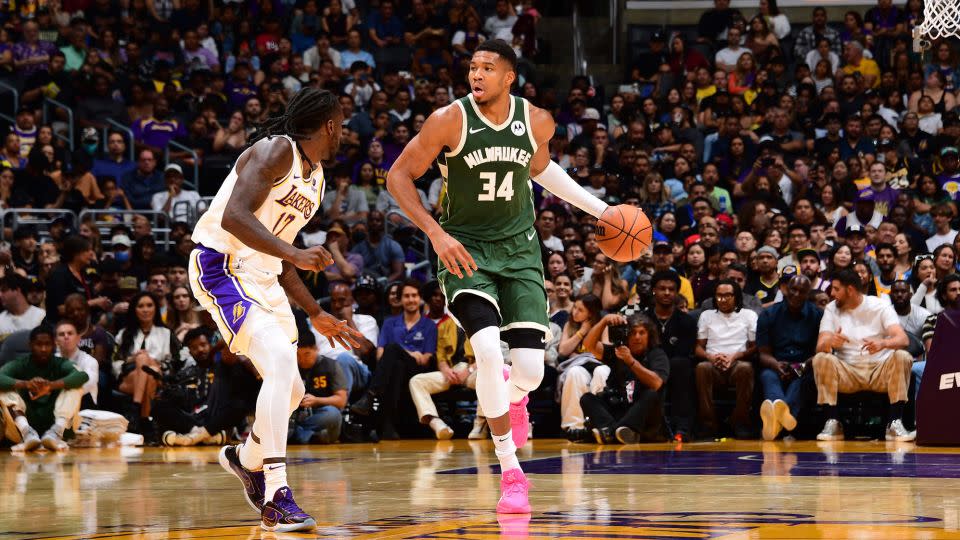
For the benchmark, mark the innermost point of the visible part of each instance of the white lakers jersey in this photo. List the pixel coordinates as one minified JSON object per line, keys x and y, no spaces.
{"x":291,"y":203}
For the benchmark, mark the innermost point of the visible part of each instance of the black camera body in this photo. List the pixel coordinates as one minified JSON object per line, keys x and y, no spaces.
{"x":618,"y":334}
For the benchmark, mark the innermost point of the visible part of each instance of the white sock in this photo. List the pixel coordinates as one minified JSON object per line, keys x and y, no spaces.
{"x":275,"y":477}
{"x":251,"y":454}
{"x":506,"y":451}
{"x":22,"y":424}
{"x":59,"y":425}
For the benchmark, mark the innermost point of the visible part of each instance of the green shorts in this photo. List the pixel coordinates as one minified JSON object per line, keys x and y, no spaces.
{"x":509,"y":275}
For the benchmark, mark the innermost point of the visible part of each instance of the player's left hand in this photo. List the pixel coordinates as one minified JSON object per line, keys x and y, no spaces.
{"x":336,"y":329}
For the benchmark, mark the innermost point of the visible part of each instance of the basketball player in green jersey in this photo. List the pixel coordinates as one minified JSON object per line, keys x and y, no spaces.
{"x":490,"y":144}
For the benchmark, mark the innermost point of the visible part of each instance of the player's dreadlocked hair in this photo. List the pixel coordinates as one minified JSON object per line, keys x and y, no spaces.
{"x":309,"y":109}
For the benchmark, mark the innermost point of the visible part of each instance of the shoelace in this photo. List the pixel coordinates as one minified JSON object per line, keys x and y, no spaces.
{"x":517,"y":486}
{"x":289,"y":506}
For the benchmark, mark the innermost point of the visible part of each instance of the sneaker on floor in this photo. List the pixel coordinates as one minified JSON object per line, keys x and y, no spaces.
{"x":604,"y":436}
{"x":282,"y":514}
{"x":367,"y":405}
{"x":578,"y":435}
{"x":441,"y":429}
{"x":771,"y":427}
{"x":217,"y":439}
{"x":520,"y":422}
{"x":896,"y":432}
{"x":480,"y":429}
{"x":784,"y":416}
{"x":832,"y":431}
{"x":253,"y":481}
{"x":31,"y":441}
{"x":514,"y":493}
{"x":627,"y":436}
{"x":53,"y":441}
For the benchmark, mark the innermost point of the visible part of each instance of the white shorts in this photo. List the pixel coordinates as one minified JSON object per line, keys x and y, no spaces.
{"x":241,"y":299}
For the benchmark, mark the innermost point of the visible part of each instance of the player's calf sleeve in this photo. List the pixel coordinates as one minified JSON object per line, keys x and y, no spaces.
{"x":491,"y":389}
{"x":526,"y":372}
{"x":296,"y":394}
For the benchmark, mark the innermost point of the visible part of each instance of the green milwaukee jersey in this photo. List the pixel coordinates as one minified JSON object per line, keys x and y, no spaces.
{"x":489,"y":194}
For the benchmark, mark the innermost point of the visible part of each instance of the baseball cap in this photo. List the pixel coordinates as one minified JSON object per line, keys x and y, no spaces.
{"x":121,"y":240}
{"x":128,"y":283}
{"x":90,"y":136}
{"x":947,"y":150}
{"x":769,"y":251}
{"x":173,"y":167}
{"x":590,"y":114}
{"x":788,"y":270}
{"x":886,"y":143}
{"x":855,"y":229}
{"x":804,"y":252}
{"x":366,"y":281}
{"x":336,"y":229}
{"x":658,"y":35}
{"x":865,"y":195}
{"x":662,"y":246}
{"x":692,"y":239}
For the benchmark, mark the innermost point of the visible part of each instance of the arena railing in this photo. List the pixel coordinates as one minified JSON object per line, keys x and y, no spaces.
{"x":41,"y":218}
{"x":104,"y":219}
{"x":194,"y":182}
{"x":184,"y":211}
{"x":117,"y":126}
{"x":16,"y":102}
{"x":68,"y":138}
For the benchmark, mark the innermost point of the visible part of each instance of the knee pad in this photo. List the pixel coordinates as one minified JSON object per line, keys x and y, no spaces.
{"x":474,"y":313}
{"x":526,"y":370}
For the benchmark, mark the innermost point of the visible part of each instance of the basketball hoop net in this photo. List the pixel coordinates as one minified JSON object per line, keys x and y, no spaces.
{"x":941,"y":18}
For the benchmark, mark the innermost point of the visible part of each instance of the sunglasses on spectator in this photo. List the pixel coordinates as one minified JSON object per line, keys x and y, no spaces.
{"x":923,"y":257}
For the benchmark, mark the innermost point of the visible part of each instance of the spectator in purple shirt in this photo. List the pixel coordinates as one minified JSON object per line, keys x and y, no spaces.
{"x":31,"y":54}
{"x":159,"y":129}
{"x":196,"y":55}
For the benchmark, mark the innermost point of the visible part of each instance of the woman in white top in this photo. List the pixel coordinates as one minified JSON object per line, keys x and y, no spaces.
{"x":822,"y":52}
{"x":830,"y":204}
{"x":144,"y":341}
{"x":778,"y":21}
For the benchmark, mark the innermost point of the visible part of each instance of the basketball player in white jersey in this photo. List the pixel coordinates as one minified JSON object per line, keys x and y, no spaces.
{"x":245,"y":266}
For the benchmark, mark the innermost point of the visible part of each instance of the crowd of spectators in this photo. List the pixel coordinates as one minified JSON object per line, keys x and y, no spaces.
{"x":801,"y":177}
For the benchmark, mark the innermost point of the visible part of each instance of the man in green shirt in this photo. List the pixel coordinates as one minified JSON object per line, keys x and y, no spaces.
{"x":39,"y":391}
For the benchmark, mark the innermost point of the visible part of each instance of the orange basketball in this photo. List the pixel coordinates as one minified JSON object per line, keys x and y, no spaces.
{"x":624,"y":232}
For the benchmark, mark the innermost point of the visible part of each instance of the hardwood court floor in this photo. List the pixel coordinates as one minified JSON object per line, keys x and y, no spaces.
{"x":427,"y":489}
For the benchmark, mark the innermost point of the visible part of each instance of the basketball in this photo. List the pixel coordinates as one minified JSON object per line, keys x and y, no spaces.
{"x":624,"y":232}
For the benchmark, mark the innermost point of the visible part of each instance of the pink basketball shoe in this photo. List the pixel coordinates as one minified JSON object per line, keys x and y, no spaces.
{"x":514,"y":489}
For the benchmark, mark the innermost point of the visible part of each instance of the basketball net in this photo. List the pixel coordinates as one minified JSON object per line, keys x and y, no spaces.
{"x":941,"y":19}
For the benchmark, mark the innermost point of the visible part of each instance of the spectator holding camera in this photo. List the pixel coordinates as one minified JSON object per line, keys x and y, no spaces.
{"x":726,"y":341}
{"x":630,"y":408}
{"x":786,"y":340}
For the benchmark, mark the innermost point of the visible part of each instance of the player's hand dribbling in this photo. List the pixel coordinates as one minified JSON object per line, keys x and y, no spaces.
{"x":312,"y":259}
{"x":337,"y":330}
{"x":453,"y":255}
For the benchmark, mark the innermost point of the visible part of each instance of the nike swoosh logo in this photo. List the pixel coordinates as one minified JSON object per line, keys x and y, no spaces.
{"x":472,"y":131}
{"x":530,"y":236}
{"x":503,"y":439}
{"x":273,"y":468}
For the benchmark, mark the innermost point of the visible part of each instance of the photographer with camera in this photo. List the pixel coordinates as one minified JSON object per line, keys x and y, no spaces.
{"x":201,"y":403}
{"x":630,"y":408}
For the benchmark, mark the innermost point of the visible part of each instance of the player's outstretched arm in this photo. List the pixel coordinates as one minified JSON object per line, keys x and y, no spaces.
{"x":328,"y":325}
{"x":548,"y":174}
{"x":268,"y":161}
{"x":442,"y":129}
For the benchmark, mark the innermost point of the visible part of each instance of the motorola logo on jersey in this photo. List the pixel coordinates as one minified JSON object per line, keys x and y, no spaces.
{"x":518,"y":128}
{"x":497,"y":153}
{"x":294,"y":199}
